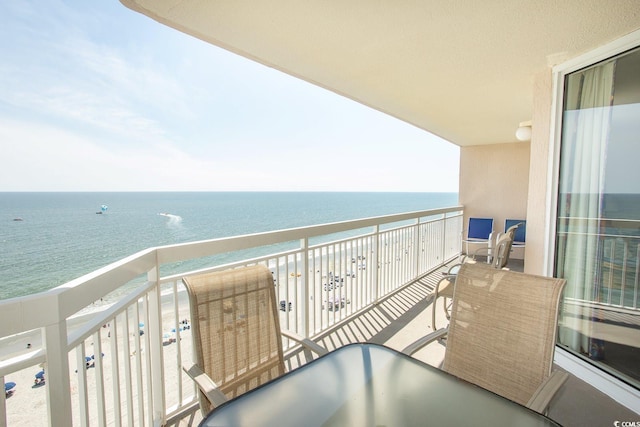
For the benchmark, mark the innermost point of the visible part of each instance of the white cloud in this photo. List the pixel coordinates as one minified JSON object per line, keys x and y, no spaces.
{"x":98,"y":98}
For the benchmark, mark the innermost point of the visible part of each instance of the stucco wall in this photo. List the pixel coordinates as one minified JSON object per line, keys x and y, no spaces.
{"x":539,"y":172}
{"x":494,"y":181}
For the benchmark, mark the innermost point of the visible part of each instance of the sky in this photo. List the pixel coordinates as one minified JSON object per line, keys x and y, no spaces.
{"x":97,"y":97}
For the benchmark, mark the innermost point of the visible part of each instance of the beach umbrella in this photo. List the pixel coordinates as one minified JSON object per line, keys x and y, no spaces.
{"x":9,"y":386}
{"x":40,"y":374}
{"x":104,"y":208}
{"x":141,"y":324}
{"x":168,"y":338}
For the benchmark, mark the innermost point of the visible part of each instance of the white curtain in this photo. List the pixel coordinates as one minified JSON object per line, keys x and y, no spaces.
{"x":585,"y":130}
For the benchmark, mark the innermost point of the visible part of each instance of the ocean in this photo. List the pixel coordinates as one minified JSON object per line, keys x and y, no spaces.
{"x":47,"y":239}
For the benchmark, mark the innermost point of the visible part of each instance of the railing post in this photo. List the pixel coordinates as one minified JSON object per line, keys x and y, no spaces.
{"x":416,"y":244}
{"x":304,"y":246}
{"x":378,"y":263}
{"x":444,"y":238}
{"x":58,"y":382}
{"x":3,"y":407}
{"x":155,"y":342}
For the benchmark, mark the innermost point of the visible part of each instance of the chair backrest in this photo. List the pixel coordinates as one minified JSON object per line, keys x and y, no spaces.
{"x":502,"y":248}
{"x":480,"y":228}
{"x":502,"y":331}
{"x":236,"y":328}
{"x":521,"y":232}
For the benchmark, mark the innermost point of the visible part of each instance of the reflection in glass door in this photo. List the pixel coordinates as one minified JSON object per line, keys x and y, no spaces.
{"x":598,"y":223}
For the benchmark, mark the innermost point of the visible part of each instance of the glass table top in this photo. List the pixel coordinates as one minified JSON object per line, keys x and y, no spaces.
{"x":372,"y":385}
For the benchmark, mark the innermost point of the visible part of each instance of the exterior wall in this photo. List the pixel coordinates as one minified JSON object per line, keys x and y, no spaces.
{"x":494,"y":181}
{"x":512,"y":180}
{"x":539,"y":174}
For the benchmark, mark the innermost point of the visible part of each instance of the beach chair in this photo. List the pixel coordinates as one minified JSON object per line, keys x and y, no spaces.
{"x":480,"y":230}
{"x":236,"y":332}
{"x":39,"y":378}
{"x":502,"y":333}
{"x":9,"y":389}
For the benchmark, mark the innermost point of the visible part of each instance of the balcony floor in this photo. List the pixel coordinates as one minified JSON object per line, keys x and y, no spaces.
{"x":404,"y":316}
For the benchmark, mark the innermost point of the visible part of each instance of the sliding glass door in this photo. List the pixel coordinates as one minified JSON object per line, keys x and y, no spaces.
{"x":598,"y":218}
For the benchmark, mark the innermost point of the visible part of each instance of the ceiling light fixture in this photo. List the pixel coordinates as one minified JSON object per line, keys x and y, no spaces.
{"x":523,"y":133}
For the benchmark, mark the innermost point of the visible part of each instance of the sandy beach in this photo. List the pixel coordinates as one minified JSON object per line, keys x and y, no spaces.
{"x":27,"y":405}
{"x":334,"y":279}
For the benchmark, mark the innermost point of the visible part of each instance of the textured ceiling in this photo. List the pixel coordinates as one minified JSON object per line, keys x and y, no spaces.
{"x":462,"y":70}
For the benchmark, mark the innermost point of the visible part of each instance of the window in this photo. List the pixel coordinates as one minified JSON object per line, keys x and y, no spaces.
{"x":598,"y":218}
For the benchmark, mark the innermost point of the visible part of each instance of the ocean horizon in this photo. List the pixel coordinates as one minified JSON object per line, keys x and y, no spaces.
{"x":50,"y":238}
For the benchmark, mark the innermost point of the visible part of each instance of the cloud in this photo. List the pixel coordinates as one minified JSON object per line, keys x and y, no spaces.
{"x":59,"y":72}
{"x":98,"y":98}
{"x":38,"y":157}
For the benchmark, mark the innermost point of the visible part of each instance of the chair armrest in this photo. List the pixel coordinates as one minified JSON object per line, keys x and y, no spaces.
{"x":479,"y":251}
{"x":449,"y":280}
{"x":307,"y":343}
{"x":453,"y":270}
{"x":543,"y":395}
{"x":206,"y":385}
{"x":418,"y":344}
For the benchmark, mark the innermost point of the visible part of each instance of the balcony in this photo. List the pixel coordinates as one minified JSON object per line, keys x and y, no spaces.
{"x":113,"y":343}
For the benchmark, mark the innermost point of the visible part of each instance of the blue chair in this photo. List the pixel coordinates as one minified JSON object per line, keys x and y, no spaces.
{"x":521,"y":232}
{"x":479,"y":231}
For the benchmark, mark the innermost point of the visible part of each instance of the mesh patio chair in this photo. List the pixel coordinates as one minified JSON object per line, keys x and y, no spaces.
{"x":502,"y":333}
{"x":498,"y":253}
{"x":236,"y":333}
{"x":497,"y":257}
{"x":519,"y":240}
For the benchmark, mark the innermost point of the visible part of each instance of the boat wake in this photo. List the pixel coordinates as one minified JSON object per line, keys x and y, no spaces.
{"x":173,"y":219}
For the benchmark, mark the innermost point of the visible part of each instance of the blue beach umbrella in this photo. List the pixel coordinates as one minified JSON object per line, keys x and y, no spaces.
{"x":9,"y":386}
{"x":40,"y":374}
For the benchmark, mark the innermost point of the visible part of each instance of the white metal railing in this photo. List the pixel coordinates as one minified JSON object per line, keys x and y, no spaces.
{"x":113,"y":342}
{"x":615,"y":253}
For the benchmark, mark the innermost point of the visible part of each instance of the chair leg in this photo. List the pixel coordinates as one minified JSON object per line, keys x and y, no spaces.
{"x":433,"y":314}
{"x":446,"y":308}
{"x":446,"y":305}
